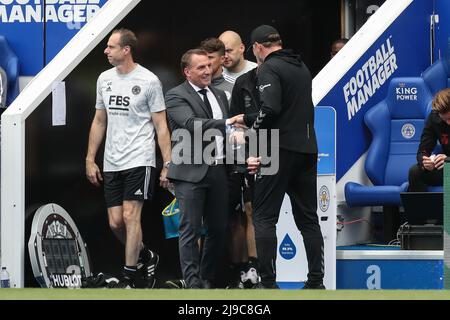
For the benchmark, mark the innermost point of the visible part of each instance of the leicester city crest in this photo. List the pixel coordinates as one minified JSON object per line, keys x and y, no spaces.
{"x":408,"y":131}
{"x":136,"y":90}
{"x":324,"y":198}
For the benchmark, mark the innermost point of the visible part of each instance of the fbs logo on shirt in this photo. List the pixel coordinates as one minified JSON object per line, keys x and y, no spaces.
{"x":119,"y":101}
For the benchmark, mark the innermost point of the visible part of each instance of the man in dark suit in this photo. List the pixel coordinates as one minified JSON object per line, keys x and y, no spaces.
{"x":197,"y":116}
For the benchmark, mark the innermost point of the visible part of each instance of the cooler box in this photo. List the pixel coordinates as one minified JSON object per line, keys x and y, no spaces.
{"x":425,"y":237}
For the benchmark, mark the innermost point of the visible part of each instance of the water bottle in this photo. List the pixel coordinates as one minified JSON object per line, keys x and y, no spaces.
{"x":4,"y":278}
{"x":171,"y":189}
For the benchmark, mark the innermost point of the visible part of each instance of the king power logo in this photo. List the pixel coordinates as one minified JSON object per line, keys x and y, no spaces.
{"x":72,"y":12}
{"x":405,"y":93}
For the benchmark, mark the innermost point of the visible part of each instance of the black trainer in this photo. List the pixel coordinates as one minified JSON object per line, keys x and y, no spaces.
{"x":314,"y":285}
{"x":124,"y":283}
{"x":250,"y":277}
{"x":175,"y":284}
{"x":237,"y":283}
{"x":148,"y":269}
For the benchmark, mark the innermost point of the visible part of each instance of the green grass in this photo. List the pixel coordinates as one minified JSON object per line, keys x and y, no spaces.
{"x":165,"y":294}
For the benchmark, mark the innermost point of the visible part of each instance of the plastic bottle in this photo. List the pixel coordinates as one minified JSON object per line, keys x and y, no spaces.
{"x":4,"y":278}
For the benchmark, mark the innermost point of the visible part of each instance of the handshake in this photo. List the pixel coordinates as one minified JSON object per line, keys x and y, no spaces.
{"x":435,"y":161}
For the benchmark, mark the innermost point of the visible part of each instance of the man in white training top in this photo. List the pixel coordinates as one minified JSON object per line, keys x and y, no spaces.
{"x":130,"y":106}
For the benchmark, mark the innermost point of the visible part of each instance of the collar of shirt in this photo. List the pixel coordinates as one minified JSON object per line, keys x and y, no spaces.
{"x":218,"y":80}
{"x":197,"y":89}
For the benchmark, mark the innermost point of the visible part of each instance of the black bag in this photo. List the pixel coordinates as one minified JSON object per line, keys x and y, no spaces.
{"x":421,"y":237}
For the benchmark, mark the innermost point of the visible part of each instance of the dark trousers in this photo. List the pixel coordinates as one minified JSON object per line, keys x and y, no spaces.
{"x":202,"y":204}
{"x":420,"y":178}
{"x":297,"y":176}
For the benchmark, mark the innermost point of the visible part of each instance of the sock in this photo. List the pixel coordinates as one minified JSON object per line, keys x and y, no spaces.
{"x":130,"y":273}
{"x":243,"y":266}
{"x":253,"y":262}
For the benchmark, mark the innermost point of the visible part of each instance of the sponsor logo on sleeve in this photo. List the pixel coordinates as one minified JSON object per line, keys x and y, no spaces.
{"x":263,"y":86}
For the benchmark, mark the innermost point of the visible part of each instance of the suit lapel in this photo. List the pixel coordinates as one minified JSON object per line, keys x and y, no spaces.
{"x":197,"y":98}
{"x":222,"y":104}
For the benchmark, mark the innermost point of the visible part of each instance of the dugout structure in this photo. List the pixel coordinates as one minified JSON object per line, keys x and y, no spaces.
{"x":13,"y":131}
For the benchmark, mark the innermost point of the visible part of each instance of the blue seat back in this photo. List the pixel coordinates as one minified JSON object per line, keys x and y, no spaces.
{"x":396,"y":124}
{"x":10,"y":63}
{"x":437,"y":76}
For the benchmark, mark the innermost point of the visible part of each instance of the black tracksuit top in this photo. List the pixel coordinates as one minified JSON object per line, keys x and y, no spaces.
{"x":284,"y":84}
{"x":435,"y":129}
{"x":245,"y":97}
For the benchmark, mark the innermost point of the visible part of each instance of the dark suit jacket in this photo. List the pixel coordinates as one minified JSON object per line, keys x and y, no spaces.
{"x":186,"y":110}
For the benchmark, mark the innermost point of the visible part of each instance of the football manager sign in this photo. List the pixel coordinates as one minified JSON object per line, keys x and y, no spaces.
{"x":48,"y":24}
{"x":66,"y":11}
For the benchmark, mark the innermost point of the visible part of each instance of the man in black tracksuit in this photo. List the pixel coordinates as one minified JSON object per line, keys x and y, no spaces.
{"x":428,"y":171}
{"x":284,"y":84}
{"x":245,"y":100}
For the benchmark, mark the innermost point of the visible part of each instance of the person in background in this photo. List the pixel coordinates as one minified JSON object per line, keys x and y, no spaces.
{"x":235,"y":64}
{"x":129,"y":107}
{"x":244,"y":268}
{"x":428,"y":169}
{"x":337,"y":45}
{"x":216,"y":54}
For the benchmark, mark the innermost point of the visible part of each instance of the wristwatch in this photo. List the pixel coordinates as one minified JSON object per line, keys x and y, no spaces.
{"x":166,"y":164}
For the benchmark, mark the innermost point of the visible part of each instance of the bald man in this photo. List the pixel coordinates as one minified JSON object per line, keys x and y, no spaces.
{"x":235,"y":63}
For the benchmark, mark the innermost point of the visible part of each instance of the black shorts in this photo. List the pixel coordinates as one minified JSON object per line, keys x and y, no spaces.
{"x":248,"y":187}
{"x":131,"y":184}
{"x":240,"y":190}
{"x":235,"y":182}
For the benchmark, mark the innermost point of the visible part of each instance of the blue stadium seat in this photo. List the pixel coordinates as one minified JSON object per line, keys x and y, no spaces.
{"x":10,"y":63}
{"x":437,"y":76}
{"x":396,"y":124}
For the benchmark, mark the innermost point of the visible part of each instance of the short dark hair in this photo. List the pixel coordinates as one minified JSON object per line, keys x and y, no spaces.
{"x":186,"y":58}
{"x":127,"y":38}
{"x":441,"y":101}
{"x":340,"y":40}
{"x":274,"y":40}
{"x":211,"y":45}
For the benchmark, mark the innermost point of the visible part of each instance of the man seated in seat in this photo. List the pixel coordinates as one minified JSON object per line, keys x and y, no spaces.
{"x":3,"y":87}
{"x":428,"y":171}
